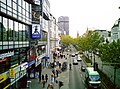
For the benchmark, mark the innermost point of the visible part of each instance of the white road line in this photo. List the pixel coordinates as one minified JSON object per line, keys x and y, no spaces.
{"x":81,"y":75}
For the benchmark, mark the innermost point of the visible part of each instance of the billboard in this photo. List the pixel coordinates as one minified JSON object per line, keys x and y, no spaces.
{"x":36,"y":31}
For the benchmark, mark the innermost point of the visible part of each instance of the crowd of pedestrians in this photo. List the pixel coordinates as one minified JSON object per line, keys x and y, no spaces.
{"x":54,"y":74}
{"x":55,"y":70}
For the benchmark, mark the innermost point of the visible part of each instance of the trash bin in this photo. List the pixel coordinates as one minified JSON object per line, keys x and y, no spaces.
{"x":29,"y":84}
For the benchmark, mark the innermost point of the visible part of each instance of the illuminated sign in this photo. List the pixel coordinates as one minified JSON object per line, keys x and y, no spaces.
{"x":24,"y":66}
{"x":4,"y":59}
{"x":12,"y":73}
{"x":2,"y":78}
{"x":7,"y":54}
{"x":37,"y":2}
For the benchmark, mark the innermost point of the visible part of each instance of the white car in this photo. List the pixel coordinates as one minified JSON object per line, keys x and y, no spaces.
{"x":73,"y":55}
{"x":75,"y":62}
{"x":79,"y":59}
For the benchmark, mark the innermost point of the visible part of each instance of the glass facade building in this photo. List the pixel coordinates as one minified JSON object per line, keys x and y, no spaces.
{"x":15,"y":21}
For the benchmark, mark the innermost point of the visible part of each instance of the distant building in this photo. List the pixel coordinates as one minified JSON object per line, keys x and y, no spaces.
{"x":105,"y":34}
{"x":115,"y":32}
{"x":63,"y":25}
{"x":77,"y":33}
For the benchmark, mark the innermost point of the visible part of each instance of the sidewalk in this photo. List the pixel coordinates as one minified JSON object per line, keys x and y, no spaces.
{"x":63,"y":76}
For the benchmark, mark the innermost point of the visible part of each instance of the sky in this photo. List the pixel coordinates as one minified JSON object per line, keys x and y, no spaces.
{"x":83,"y":14}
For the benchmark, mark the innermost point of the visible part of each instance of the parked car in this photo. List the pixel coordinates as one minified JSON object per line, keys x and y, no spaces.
{"x":83,"y":67}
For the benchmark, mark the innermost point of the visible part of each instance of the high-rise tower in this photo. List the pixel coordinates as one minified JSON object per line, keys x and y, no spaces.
{"x":63,"y":25}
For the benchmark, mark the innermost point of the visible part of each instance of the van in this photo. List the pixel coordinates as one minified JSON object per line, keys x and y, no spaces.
{"x":92,"y":78}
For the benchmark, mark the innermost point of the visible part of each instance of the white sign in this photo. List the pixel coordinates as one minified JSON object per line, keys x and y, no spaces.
{"x":24,"y":66}
{"x":37,"y":2}
{"x":7,"y":54}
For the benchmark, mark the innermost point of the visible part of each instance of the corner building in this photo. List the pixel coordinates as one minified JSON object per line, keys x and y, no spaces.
{"x":15,"y":22}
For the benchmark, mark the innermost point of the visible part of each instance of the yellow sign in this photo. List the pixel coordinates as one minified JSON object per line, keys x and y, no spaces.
{"x":2,"y":78}
{"x":12,"y":73}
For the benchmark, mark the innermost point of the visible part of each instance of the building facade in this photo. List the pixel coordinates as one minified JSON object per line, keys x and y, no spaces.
{"x":15,"y":21}
{"x":63,"y":25}
{"x":115,"y":31}
{"x":105,"y":34}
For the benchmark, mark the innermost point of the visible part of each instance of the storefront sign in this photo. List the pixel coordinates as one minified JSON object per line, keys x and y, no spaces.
{"x":37,"y":2}
{"x":2,"y":78}
{"x":4,"y":59}
{"x":24,"y":66}
{"x":12,"y":73}
{"x":32,"y":57}
{"x":38,"y":61}
{"x":7,"y":54}
{"x":31,"y":63}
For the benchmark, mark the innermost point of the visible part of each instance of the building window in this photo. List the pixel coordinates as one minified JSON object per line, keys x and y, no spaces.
{"x":16,"y":34}
{"x":10,"y":34}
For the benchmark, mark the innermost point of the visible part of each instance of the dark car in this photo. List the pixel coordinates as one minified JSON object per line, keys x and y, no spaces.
{"x":83,"y":67}
{"x":64,"y":66}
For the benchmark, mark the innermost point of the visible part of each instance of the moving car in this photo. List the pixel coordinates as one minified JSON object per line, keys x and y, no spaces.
{"x":83,"y":67}
{"x":64,"y":66}
{"x":79,"y":59}
{"x":75,"y":62}
{"x":73,"y":55}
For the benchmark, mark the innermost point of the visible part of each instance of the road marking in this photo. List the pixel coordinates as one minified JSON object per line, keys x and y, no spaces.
{"x":83,"y":81}
{"x":81,"y":75}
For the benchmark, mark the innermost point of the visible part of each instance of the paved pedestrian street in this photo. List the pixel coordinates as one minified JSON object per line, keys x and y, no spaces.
{"x":63,"y":76}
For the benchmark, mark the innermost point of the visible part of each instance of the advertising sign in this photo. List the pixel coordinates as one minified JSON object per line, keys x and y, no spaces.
{"x":2,"y":78}
{"x":24,"y":66}
{"x":37,"y":2}
{"x":36,"y":31}
{"x":12,"y":73}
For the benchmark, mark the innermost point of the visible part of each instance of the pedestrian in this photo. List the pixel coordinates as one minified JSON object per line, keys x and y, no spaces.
{"x":46,"y":77}
{"x":50,"y":86}
{"x":57,"y":71}
{"x":52,"y":79}
{"x":42,"y":77}
{"x":43,"y":83}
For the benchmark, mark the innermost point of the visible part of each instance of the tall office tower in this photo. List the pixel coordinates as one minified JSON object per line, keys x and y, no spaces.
{"x":77,"y":33}
{"x":63,"y":25}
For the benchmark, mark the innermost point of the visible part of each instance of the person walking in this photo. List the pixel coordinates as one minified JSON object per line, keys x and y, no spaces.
{"x":42,"y":77}
{"x":57,"y":71}
{"x":43,"y":80}
{"x":46,"y":77}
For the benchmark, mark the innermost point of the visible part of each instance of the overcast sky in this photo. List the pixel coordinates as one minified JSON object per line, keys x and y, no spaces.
{"x":97,"y":14}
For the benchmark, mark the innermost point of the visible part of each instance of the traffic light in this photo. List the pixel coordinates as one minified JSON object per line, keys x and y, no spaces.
{"x":95,"y":66}
{"x":60,"y":83}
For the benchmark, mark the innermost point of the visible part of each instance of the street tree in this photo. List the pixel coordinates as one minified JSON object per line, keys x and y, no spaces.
{"x":66,"y":40}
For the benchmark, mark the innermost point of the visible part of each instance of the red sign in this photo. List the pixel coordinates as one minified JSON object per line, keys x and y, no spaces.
{"x":4,"y":59}
{"x":32,"y":57}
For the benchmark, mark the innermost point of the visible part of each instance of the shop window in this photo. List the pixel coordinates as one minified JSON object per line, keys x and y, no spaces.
{"x":4,"y":65}
{"x":5,"y":83}
{"x":14,"y":60}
